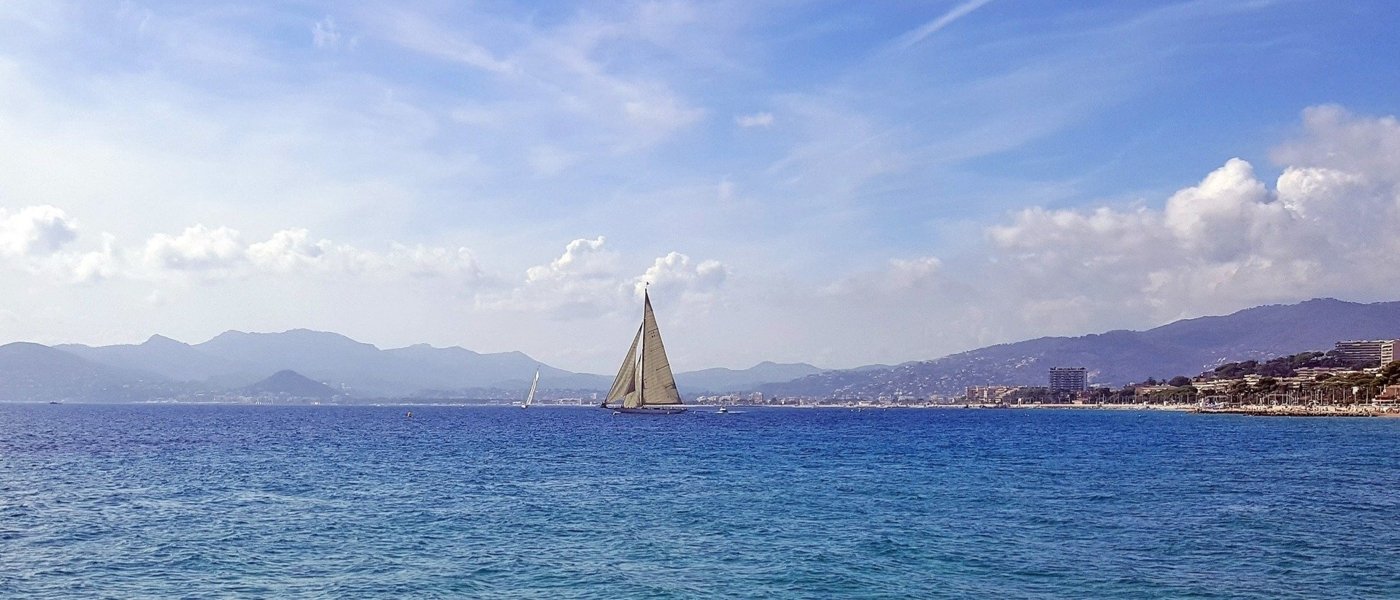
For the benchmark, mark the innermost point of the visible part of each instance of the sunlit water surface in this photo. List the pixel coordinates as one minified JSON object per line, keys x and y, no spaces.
{"x":362,"y":502}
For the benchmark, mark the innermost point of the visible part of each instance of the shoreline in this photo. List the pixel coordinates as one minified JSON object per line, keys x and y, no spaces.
{"x":1353,"y":411}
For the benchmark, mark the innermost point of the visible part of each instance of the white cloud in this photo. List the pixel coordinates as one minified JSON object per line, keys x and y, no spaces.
{"x":197,"y":248}
{"x":1326,"y":227}
{"x":220,"y":252}
{"x":324,"y":33}
{"x":292,"y":250}
{"x":418,"y":33}
{"x":1225,"y":216}
{"x":1334,"y":138}
{"x":97,"y":265}
{"x":660,"y":110}
{"x":35,"y":230}
{"x":923,"y":31}
{"x":676,"y":274}
{"x":582,"y":259}
{"x":763,"y":119}
{"x":587,"y":280}
{"x":724,"y":192}
{"x":426,"y":262}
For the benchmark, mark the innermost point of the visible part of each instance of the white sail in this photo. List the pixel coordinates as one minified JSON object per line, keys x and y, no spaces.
{"x":658,"y":383}
{"x":625,"y":384}
{"x":645,"y":378}
{"x":533,"y":385}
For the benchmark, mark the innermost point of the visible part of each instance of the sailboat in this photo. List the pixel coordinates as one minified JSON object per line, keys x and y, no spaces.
{"x":644,"y":383}
{"x":533,"y":384}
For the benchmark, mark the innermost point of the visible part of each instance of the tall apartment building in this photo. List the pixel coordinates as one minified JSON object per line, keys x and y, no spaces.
{"x":1068,"y":379}
{"x":1388,"y":352}
{"x":1366,"y":352}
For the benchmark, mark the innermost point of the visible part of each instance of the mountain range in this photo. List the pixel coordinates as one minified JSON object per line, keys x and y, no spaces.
{"x":233,"y":361}
{"x":1185,"y":347}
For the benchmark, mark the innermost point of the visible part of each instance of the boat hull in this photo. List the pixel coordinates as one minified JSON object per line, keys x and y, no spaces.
{"x":669,"y":410}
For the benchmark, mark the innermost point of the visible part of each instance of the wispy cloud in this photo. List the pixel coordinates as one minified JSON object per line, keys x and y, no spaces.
{"x":927,"y":29}
{"x":763,"y":119}
{"x":324,"y":33}
{"x":730,"y":146}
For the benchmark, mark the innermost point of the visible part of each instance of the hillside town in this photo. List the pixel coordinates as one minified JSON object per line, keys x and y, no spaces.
{"x":1356,"y":376}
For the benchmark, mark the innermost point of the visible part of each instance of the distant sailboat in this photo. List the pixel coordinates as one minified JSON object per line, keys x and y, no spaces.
{"x":533,"y":384}
{"x":644,"y":383}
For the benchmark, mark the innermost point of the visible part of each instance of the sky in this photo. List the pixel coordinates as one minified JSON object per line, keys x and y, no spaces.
{"x":839,"y":183}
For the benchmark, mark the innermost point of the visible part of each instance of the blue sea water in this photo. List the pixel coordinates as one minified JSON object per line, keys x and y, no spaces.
{"x":362,"y":502}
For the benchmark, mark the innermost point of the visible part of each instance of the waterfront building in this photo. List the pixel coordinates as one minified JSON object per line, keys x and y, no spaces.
{"x":1148,"y":390}
{"x":1314,"y":372}
{"x":1068,"y":379}
{"x":989,"y":394}
{"x":1370,"y":352}
{"x":1388,"y":352}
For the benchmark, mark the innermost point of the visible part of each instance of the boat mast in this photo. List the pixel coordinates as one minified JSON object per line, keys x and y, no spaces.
{"x":642,"y":355}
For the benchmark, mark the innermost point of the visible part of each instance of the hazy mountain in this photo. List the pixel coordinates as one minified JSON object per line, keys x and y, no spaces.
{"x":289,"y":384}
{"x":38,"y":373}
{"x":728,"y":380}
{"x":235,"y":358}
{"x":166,"y":357}
{"x":459,"y":368}
{"x":1184,"y":347}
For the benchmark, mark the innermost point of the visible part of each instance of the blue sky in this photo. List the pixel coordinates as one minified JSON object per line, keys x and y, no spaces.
{"x":833,"y":182}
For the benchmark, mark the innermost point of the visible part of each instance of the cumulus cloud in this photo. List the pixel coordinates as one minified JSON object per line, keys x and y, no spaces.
{"x":1336,"y":139}
{"x":1229,"y":213}
{"x":677,"y":274}
{"x":292,"y":250}
{"x":426,"y":262}
{"x":587,"y":280}
{"x":583,"y":259}
{"x":35,"y":230}
{"x":763,"y":119}
{"x":1325,"y":227}
{"x":196,"y":248}
{"x":96,"y":265}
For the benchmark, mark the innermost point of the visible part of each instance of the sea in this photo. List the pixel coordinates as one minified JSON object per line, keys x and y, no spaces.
{"x":205,"y":501}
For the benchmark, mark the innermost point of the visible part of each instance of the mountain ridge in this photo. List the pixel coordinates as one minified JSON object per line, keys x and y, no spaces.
{"x":1183,"y":347}
{"x":235,"y":359}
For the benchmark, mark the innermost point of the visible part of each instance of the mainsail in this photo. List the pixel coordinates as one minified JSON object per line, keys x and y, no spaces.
{"x":645,"y":377}
{"x":658,"y":384}
{"x":533,"y":384}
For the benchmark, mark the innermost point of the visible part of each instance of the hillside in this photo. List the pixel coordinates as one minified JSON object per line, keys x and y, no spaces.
{"x":37,"y":373}
{"x":1184,"y":347}
{"x":161,"y":366}
{"x":234,"y":359}
{"x":289,"y":384}
{"x":727,"y":380}
{"x":165,"y":357}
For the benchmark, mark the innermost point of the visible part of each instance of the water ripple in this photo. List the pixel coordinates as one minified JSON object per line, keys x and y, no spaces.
{"x":334,"y":502}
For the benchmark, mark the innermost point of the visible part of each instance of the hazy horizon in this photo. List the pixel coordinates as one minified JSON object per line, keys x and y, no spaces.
{"x":834,"y":184}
